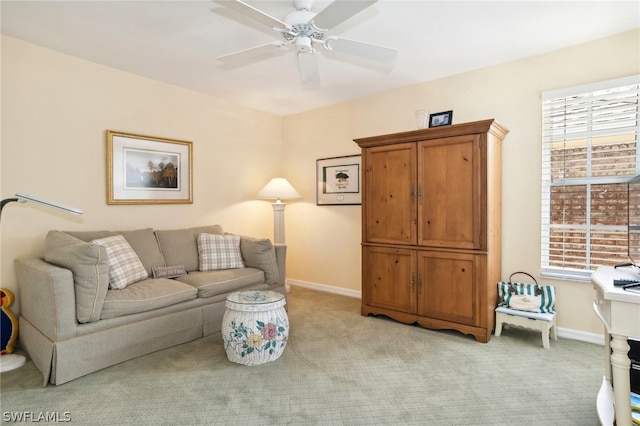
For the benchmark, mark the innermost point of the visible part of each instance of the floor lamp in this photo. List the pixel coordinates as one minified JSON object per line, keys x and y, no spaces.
{"x":278,"y":189}
{"x":8,"y":360}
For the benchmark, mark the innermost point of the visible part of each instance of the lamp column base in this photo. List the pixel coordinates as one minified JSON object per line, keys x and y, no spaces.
{"x":278,"y":222}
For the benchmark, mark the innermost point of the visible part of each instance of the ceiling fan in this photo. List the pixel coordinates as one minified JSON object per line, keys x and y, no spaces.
{"x":304,"y":29}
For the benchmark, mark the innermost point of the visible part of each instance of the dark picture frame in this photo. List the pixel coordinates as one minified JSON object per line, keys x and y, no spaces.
{"x":148,"y":170}
{"x":339,"y":180}
{"x":440,"y":119}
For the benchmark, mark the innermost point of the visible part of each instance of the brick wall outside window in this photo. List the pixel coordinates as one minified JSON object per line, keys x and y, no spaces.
{"x":590,"y":153}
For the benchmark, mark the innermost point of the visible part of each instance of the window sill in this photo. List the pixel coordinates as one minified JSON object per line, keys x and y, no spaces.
{"x":578,"y":276}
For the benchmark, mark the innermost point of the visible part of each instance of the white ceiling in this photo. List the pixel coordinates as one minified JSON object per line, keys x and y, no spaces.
{"x":177,"y":42}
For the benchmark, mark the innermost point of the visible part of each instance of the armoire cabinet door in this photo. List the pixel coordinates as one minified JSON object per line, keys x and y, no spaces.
{"x":390,"y":194}
{"x":389,"y":278}
{"x":449,"y":287}
{"x":450,"y":192}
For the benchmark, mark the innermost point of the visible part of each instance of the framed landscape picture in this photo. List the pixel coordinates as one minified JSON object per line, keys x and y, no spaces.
{"x":148,"y":170}
{"x":339,"y":180}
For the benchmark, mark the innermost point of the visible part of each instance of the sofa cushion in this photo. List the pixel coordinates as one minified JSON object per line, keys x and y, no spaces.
{"x":88,"y":263}
{"x":217,"y":252}
{"x":145,"y":296}
{"x":213,"y":283}
{"x":124,"y":264}
{"x":260,"y":254}
{"x":143,"y":242}
{"x":180,"y":246}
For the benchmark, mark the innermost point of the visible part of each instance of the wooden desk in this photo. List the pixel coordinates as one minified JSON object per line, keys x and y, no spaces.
{"x":619,"y":310}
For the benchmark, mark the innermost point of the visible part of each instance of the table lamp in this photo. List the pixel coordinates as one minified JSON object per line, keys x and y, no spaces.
{"x":278,"y":189}
{"x":9,"y":323}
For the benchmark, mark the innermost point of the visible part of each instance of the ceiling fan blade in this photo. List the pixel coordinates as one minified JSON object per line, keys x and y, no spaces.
{"x":308,"y":67}
{"x":339,"y":11}
{"x":364,"y":50}
{"x":255,"y":14}
{"x":252,"y":52}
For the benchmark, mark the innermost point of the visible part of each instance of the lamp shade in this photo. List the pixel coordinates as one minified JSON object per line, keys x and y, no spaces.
{"x":279,"y":189}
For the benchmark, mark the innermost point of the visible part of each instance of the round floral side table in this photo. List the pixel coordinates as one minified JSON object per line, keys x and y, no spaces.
{"x":255,"y":327}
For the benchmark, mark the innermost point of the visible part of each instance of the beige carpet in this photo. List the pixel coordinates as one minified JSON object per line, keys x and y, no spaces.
{"x":339,"y":368}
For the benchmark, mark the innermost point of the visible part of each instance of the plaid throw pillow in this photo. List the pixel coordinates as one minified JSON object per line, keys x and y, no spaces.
{"x":219,"y":252}
{"x":125,"y":266}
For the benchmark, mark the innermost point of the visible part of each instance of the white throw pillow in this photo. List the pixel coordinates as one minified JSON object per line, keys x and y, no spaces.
{"x":125,"y":266}
{"x":219,"y":252}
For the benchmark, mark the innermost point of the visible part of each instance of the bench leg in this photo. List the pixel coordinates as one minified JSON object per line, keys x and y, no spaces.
{"x":545,"y":337}
{"x":498,"y":325}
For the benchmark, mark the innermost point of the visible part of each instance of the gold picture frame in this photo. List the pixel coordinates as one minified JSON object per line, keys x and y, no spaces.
{"x":148,"y":170}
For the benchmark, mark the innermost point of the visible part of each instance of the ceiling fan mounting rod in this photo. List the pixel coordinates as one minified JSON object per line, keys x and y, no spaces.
{"x":303,"y":4}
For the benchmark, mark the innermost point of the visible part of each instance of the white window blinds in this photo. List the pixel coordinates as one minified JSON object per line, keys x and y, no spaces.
{"x":590,"y":151}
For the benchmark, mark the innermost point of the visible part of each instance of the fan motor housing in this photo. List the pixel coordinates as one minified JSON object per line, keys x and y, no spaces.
{"x":300,"y":22}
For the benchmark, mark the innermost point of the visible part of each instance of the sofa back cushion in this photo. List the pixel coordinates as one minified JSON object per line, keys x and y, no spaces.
{"x":259,"y":253}
{"x":142,"y":241}
{"x":90,"y":268}
{"x":180,"y":246}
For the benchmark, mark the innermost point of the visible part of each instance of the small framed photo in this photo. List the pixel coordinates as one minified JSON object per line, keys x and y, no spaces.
{"x":339,"y":180}
{"x":148,"y":170}
{"x":440,"y":119}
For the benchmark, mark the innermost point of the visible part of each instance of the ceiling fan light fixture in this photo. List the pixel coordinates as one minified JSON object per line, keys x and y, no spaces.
{"x":303,"y":44}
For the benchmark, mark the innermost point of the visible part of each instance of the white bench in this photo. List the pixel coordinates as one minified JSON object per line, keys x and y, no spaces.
{"x":545,"y":323}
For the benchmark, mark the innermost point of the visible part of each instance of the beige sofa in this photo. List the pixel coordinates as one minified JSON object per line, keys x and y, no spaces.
{"x":73,"y":322}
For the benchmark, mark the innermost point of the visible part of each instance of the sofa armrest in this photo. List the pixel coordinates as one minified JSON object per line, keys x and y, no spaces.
{"x":47,"y":297}
{"x":281,"y":259}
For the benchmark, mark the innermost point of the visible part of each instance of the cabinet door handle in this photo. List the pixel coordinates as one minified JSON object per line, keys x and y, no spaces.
{"x":413,"y":194}
{"x":413,"y":281}
{"x":420,"y":193}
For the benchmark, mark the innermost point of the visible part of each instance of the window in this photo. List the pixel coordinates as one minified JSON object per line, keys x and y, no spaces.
{"x":590,"y":151}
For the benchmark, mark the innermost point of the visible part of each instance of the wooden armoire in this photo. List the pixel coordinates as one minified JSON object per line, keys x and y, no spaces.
{"x":431,"y":214}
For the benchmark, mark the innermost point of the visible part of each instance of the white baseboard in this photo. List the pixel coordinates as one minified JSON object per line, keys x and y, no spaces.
{"x":326,"y":288}
{"x":565,"y":333}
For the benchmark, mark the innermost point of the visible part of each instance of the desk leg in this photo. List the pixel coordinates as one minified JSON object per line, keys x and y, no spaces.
{"x":620,"y":364}
{"x":607,"y":355}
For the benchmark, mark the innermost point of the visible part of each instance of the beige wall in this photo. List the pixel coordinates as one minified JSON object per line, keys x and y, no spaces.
{"x":55,"y":111}
{"x":56,"y":108}
{"x":325,"y":241}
